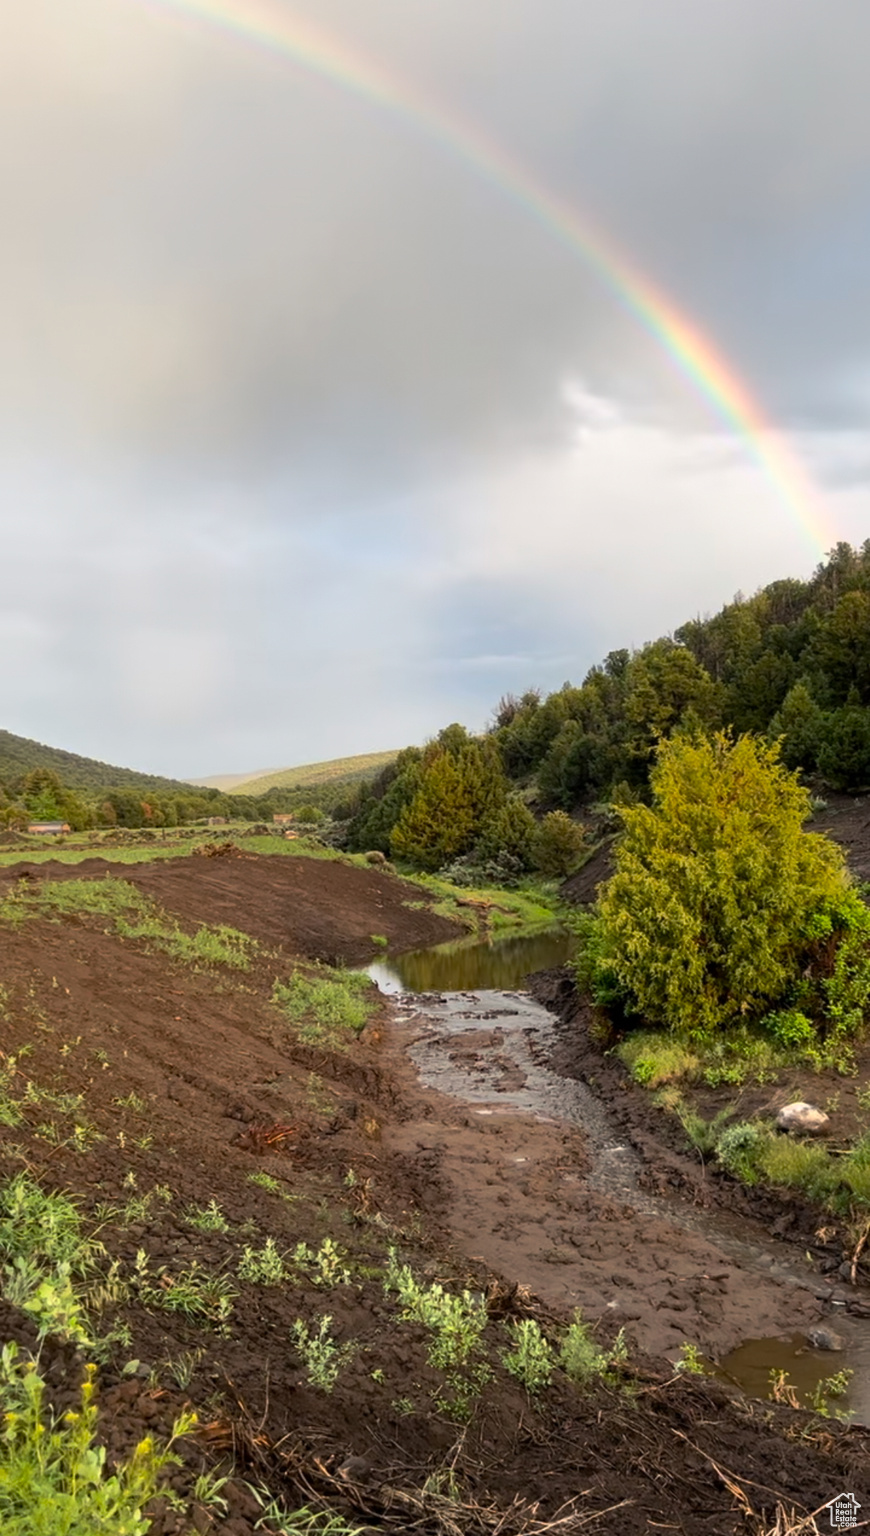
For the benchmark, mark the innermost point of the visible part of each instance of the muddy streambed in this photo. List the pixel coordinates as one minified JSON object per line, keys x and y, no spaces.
{"x":475,"y":1035}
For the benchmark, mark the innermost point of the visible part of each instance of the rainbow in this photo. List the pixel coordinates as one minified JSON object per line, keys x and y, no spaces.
{"x":272,"y":26}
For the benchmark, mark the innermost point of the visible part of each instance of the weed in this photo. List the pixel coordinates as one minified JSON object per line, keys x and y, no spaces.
{"x":54,"y":1478}
{"x":323,"y":1356}
{"x":403,"y":1406}
{"x":326,"y":1267}
{"x":201,"y":1295}
{"x":301,"y":1522}
{"x":829,"y":1388}
{"x":133,"y":1102}
{"x":265,"y":1181}
{"x":181,"y":1369}
{"x":327,"y":1007}
{"x":690,"y":1361}
{"x":207,"y":1491}
{"x":456,"y":1324}
{"x":580,"y":1357}
{"x":263,"y":1267}
{"x":531,"y":1360}
{"x":45,"y":1229}
{"x":209,"y":1219}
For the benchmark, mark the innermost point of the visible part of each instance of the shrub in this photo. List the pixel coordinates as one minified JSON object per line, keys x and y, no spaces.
{"x":558,"y":845}
{"x":707,"y":919}
{"x":738,"y":1150}
{"x":508,"y":834}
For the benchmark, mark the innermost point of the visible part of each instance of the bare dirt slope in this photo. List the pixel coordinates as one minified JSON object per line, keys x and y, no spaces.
{"x":190,"y":1082}
{"x":323,"y":908}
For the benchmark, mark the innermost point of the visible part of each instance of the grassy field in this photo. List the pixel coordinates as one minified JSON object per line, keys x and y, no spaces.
{"x":343,"y":768}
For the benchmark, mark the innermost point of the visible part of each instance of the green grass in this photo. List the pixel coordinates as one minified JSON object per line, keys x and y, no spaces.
{"x":327,"y":1008}
{"x":654,"y":1059}
{"x":534,"y":905}
{"x":133,"y":916}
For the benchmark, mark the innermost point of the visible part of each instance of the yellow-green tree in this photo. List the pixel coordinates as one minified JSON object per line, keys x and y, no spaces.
{"x":709,"y":916}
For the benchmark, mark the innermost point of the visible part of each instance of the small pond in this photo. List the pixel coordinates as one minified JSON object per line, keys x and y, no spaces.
{"x":470,"y":964}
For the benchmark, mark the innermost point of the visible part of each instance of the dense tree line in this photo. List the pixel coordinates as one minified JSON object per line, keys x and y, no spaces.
{"x":792,"y":662}
{"x":41,"y":795}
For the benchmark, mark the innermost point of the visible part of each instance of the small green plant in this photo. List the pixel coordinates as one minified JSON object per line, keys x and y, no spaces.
{"x":209,"y":1219}
{"x":133,"y":1102}
{"x":581,"y":1358}
{"x":201,"y":1295}
{"x":207,"y":1491}
{"x":322,"y":1354}
{"x":379,"y":939}
{"x":182,"y":1367}
{"x":532,"y":1358}
{"x":456,"y":1324}
{"x":690,"y":1361}
{"x":327,"y":1267}
{"x":274,"y":1186}
{"x":300,"y":1522}
{"x":827,"y":1390}
{"x":54,"y":1478}
{"x":264,"y":1266}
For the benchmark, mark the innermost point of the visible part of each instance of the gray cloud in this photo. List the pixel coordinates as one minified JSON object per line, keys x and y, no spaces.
{"x":270,"y":356}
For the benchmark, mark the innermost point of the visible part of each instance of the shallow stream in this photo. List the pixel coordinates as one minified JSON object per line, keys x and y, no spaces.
{"x":473,"y":985}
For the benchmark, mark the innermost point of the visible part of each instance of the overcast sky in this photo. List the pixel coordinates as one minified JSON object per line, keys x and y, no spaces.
{"x":312,"y":441}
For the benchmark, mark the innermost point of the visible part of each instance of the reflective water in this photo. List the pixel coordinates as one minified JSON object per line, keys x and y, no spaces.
{"x":751,"y":1363}
{"x":469,"y":964}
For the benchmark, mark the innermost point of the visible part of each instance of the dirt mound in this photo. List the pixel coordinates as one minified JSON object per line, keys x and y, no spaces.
{"x":322,"y":908}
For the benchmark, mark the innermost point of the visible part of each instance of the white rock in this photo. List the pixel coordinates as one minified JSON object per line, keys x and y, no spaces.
{"x":803,"y":1119}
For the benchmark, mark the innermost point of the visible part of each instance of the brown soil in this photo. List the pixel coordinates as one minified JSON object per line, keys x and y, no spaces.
{"x":228,"y":1090}
{"x":322,"y":908}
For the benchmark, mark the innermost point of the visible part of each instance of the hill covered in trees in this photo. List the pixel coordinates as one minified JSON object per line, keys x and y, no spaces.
{"x":791,"y":663}
{"x":19,"y":756}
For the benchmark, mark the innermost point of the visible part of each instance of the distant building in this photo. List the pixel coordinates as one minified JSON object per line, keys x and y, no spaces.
{"x":217,"y":821}
{"x":49,"y":826}
{"x":282,"y":818}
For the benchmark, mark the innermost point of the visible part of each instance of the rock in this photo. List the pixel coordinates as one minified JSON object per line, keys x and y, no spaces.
{"x":802,"y":1119}
{"x":824,"y":1338}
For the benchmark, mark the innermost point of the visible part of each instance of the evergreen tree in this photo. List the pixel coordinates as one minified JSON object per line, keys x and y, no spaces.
{"x":709,"y":916}
{"x":800,"y":722}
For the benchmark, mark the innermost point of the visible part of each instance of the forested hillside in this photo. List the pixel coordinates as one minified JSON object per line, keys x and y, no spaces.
{"x":791,"y":663}
{"x":19,"y":756}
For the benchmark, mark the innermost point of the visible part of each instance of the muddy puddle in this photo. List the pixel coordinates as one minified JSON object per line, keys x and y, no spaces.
{"x":481,"y":1039}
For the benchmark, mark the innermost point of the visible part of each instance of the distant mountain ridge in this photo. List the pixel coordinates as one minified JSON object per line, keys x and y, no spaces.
{"x":19,"y":755}
{"x":346,"y":769}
